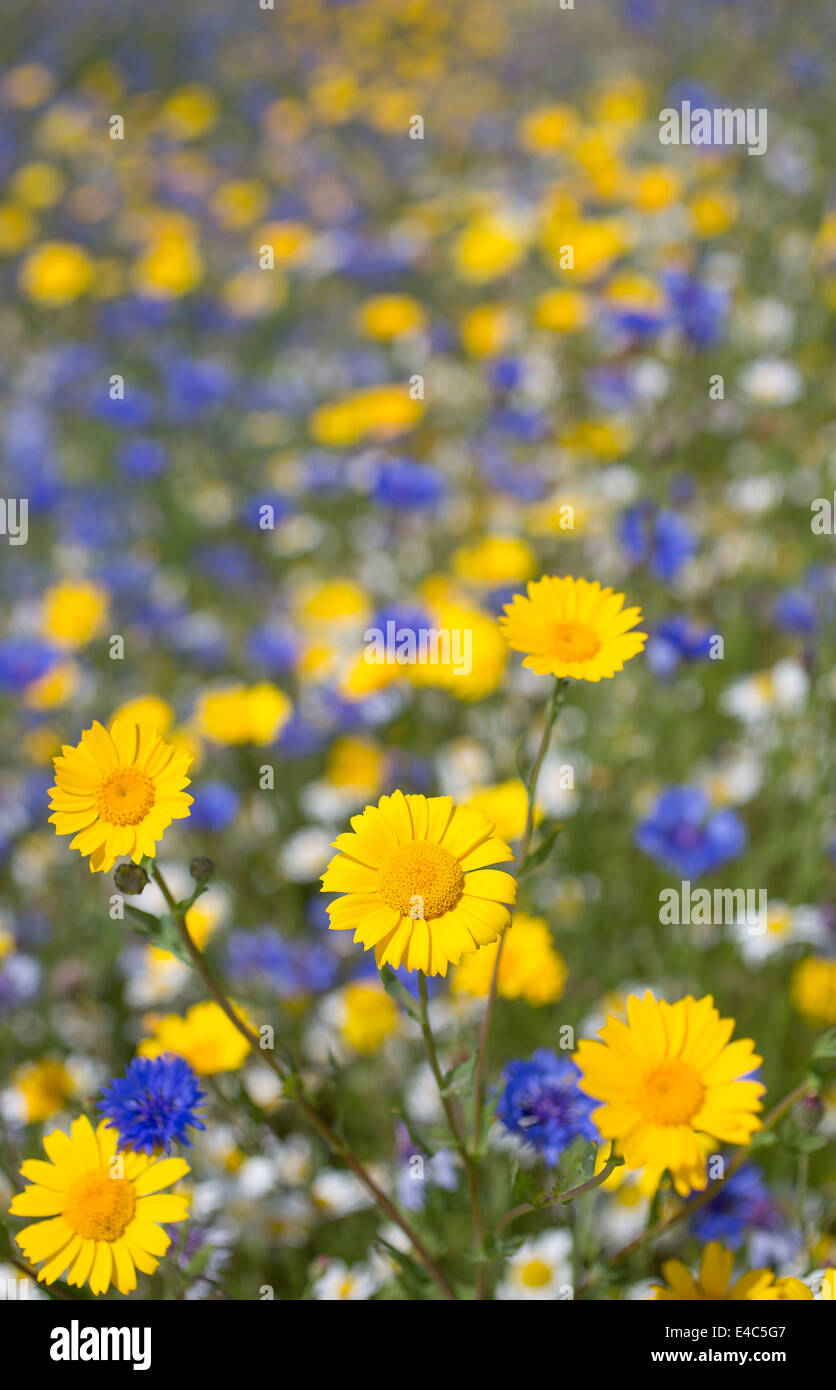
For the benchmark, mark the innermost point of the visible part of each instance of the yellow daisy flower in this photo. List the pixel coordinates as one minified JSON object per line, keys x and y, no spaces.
{"x":416,"y":884}
{"x":105,"y":1212}
{"x":530,"y":967}
{"x":668,"y":1079}
{"x":205,"y":1037}
{"x":570,"y":627}
{"x":714,"y":1281}
{"x":117,"y":792}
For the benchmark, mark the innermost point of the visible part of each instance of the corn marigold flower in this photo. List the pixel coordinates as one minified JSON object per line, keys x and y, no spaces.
{"x":117,"y":792}
{"x":813,"y":990}
{"x":670,"y":1081}
{"x":101,"y":1227}
{"x":571,"y":627}
{"x":530,"y":967}
{"x":415,"y":882}
{"x":205,"y":1037}
{"x":153,"y":1104}
{"x":714,"y":1281}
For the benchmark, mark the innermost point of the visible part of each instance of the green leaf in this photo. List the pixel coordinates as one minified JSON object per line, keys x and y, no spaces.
{"x":526,"y":1188}
{"x":826,"y":1045}
{"x":577,"y":1163}
{"x":162,"y":931}
{"x":543,"y":850}
{"x":459,"y":1078}
{"x":401,"y":996}
{"x":408,"y":1272}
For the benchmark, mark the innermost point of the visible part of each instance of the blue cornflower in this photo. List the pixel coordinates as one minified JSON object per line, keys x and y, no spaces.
{"x":741,"y":1204}
{"x":700,"y":310}
{"x":661,"y":540}
{"x":796,"y":610}
{"x":542,"y":1105}
{"x":684,"y":836}
{"x":215,"y":806}
{"x":153,"y":1104}
{"x":677,"y":639}
{"x":404,"y":483}
{"x":291,"y":968}
{"x":143,"y":458}
{"x":24,"y":660}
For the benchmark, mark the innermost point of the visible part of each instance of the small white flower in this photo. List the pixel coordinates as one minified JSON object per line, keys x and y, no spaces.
{"x":540,"y":1270}
{"x":341,"y":1283}
{"x":771,"y":381}
{"x":338,"y":1193}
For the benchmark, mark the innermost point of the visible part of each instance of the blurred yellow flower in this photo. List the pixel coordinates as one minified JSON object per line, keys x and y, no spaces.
{"x":355,"y":764}
{"x":655,"y":188}
{"x":171,"y":264}
{"x":506,"y":804}
{"x":486,"y":329}
{"x":73,"y":613}
{"x":45,"y":1087}
{"x":37,"y":185}
{"x":189,"y":112}
{"x":204,"y":1036}
{"x":17,"y":228}
{"x":387,"y":316}
{"x":369,"y":1017}
{"x":714,"y":1283}
{"x":495,"y":561}
{"x":548,"y":128}
{"x":240,"y":714}
{"x":713,"y":212}
{"x":56,"y":272}
{"x":530,"y":968}
{"x":813,"y":990}
{"x":489,"y":246}
{"x":561,"y":311}
{"x":379,"y":412}
{"x":146,"y":709}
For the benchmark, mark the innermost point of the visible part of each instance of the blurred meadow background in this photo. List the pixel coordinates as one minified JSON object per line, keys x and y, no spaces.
{"x":298,"y":353}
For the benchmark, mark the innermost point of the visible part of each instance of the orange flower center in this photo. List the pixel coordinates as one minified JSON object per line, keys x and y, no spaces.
{"x":574,"y":642}
{"x":421,"y":880}
{"x":673,"y":1094}
{"x":125,"y":797}
{"x":99,"y":1207}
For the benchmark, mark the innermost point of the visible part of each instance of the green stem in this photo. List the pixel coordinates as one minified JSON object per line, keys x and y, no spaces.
{"x":560,"y":1197}
{"x":470,"y":1163}
{"x":292,"y":1086}
{"x":552,"y":714}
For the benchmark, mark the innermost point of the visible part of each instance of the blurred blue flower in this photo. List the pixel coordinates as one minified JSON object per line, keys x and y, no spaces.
{"x":698,"y":309}
{"x":143,"y":458}
{"x":291,"y":968}
{"x":215,"y":806}
{"x":796,"y":610}
{"x":24,"y":660}
{"x":741,"y":1203}
{"x":403,"y":483}
{"x":661,"y":540}
{"x":683,"y":835}
{"x":414,"y":1178}
{"x":675,"y":640}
